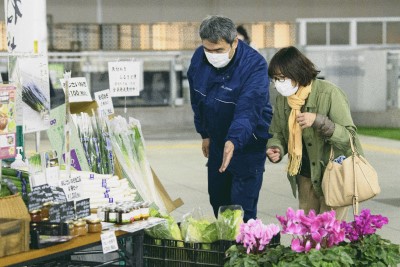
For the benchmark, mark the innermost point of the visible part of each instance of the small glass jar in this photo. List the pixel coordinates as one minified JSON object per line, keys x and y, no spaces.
{"x":144,"y":211}
{"x":113,"y":214}
{"x":71,"y":228}
{"x":136,"y":212}
{"x":101,"y":213}
{"x":45,"y":211}
{"x":36,"y":216}
{"x":94,"y":226}
{"x":124,"y":215}
{"x":80,"y":228}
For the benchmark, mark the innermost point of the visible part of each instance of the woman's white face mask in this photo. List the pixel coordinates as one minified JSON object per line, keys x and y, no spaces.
{"x":218,"y":60}
{"x":286,"y":88}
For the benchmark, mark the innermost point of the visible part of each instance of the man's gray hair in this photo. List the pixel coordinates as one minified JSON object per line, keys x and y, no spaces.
{"x":216,"y":28}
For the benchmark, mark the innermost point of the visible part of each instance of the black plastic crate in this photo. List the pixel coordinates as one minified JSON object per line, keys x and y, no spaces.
{"x":173,"y":253}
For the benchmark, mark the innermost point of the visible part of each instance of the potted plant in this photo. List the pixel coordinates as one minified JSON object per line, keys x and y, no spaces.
{"x":319,"y":240}
{"x":367,"y":247}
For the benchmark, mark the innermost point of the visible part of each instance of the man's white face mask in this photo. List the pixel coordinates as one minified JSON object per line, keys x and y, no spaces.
{"x":285,"y":87}
{"x":218,"y":60}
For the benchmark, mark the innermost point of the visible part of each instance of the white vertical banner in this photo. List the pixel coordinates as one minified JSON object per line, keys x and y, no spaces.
{"x":31,"y":74}
{"x":26,"y":26}
{"x":26,"y":30}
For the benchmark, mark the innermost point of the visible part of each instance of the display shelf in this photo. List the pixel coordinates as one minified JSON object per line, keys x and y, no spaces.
{"x":130,"y":251}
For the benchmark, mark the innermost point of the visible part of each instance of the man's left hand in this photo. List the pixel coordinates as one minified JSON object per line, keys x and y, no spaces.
{"x":228,"y":153}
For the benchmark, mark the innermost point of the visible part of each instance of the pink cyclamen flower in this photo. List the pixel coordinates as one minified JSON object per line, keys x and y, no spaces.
{"x":363,"y":224}
{"x":255,"y":236}
{"x":312,"y":230}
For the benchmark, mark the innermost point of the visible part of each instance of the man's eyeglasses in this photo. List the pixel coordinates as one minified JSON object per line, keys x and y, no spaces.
{"x":278,"y":78}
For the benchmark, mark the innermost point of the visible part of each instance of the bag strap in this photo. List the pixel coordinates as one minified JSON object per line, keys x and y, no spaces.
{"x":353,"y":155}
{"x":331,"y":154}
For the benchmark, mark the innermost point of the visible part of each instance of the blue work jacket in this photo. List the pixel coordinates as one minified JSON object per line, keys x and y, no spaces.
{"x":232,"y":103}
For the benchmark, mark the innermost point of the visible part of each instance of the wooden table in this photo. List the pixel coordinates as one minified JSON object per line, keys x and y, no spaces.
{"x":36,"y":256}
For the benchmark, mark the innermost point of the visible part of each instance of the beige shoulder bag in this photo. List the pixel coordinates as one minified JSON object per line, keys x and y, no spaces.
{"x":351,"y":182}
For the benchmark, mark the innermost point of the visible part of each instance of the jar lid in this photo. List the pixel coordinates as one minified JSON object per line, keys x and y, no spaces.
{"x":93,"y":221}
{"x":34,"y":211}
{"x":80,"y":223}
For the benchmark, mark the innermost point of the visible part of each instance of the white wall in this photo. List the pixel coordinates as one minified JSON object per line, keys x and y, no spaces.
{"x":361,"y":74}
{"x":140,"y":11}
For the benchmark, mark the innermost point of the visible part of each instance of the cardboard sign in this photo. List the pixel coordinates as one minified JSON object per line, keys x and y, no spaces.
{"x":103,"y":99}
{"x":78,"y":89}
{"x":125,"y":78}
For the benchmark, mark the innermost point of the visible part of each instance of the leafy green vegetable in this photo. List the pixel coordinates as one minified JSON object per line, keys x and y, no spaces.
{"x":167,"y":230}
{"x":229,"y":220}
{"x":199,"y":231}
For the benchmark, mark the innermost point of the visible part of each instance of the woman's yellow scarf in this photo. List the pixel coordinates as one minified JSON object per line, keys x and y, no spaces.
{"x":295,"y":145}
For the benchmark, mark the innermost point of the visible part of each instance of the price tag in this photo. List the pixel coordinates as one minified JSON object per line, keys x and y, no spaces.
{"x":78,"y":89}
{"x":104,"y":101}
{"x":109,"y":242}
{"x":125,"y":78}
{"x":82,"y":208}
{"x":72,"y":186}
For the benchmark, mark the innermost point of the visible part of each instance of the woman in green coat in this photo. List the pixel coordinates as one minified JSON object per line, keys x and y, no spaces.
{"x":310,"y":115}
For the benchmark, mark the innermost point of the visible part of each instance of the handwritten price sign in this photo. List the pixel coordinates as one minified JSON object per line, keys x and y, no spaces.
{"x":104,"y":101}
{"x":125,"y":78}
{"x":72,"y":187}
{"x":109,"y":242}
{"x":78,"y":89}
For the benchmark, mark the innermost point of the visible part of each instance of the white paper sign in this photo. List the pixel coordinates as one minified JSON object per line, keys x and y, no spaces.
{"x":26,"y":26}
{"x":104,"y":101}
{"x":72,"y":186}
{"x":109,"y":242}
{"x":78,"y":89}
{"x":125,"y":78}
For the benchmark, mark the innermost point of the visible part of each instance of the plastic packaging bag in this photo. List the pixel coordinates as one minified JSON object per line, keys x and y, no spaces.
{"x":229,"y":220}
{"x":197,"y":228}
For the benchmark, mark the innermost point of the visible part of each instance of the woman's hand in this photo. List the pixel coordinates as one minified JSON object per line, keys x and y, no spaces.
{"x":274,"y":154}
{"x":306,"y":119}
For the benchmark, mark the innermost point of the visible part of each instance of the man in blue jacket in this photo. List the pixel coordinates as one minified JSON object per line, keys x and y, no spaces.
{"x":232,"y":113}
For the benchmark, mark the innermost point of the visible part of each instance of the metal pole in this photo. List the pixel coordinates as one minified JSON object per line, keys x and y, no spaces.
{"x":172,"y":82}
